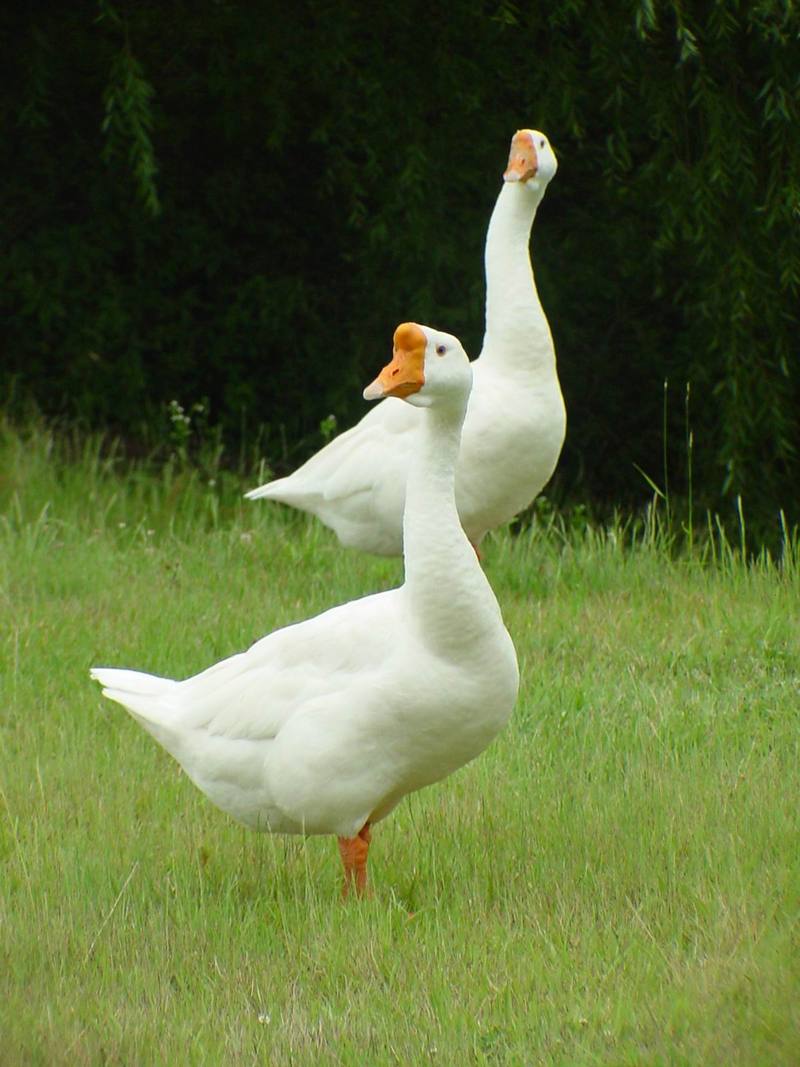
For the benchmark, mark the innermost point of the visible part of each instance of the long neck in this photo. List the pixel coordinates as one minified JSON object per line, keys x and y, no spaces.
{"x":517,"y":334}
{"x":449,"y":593}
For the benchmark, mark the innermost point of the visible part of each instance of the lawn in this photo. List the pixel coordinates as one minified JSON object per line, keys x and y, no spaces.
{"x":615,"y":881}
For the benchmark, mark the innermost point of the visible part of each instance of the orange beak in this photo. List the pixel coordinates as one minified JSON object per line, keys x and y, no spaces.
{"x":523,"y":163}
{"x":406,"y":373}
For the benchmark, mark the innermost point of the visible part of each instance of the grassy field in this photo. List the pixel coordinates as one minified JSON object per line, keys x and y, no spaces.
{"x":616,"y":881}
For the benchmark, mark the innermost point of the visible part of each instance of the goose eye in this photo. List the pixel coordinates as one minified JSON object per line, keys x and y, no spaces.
{"x":440,"y":350}
{"x":541,"y":143}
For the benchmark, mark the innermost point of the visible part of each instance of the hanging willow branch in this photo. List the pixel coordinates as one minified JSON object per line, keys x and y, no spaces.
{"x":129,"y":119}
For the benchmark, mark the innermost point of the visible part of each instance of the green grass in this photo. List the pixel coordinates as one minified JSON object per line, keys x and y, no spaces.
{"x":616,"y":881}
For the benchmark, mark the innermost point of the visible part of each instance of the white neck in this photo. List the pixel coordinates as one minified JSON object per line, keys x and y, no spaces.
{"x":450,"y":596}
{"x":517,"y":334}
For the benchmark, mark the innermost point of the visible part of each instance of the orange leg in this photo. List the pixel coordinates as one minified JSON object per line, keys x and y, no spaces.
{"x":353,"y":851}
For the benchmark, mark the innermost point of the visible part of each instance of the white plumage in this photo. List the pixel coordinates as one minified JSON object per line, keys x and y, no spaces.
{"x":515,"y":422}
{"x":323,"y":726}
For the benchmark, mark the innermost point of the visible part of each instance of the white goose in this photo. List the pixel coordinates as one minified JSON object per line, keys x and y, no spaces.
{"x":515,"y":422}
{"x":322,"y":727}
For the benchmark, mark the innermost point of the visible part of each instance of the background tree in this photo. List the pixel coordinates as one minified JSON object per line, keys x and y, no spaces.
{"x":240,"y":201}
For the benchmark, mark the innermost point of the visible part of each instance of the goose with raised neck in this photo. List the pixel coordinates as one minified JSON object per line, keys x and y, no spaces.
{"x":515,"y":420}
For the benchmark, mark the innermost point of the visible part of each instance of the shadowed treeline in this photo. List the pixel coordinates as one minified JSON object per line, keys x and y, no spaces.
{"x":240,"y":202}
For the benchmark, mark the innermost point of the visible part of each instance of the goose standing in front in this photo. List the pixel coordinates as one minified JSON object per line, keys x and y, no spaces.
{"x":515,"y":422}
{"x":323,"y":727}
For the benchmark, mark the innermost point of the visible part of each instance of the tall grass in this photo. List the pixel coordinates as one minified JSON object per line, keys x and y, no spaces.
{"x":616,"y":881}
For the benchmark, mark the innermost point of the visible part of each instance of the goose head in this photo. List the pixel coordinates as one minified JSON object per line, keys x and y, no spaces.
{"x":428,"y":367}
{"x":531,"y":159}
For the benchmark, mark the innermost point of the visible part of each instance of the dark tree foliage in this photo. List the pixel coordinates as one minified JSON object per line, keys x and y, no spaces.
{"x":240,"y":202}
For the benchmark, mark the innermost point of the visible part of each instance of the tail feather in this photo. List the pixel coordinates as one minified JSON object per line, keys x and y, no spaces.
{"x":145,"y":695}
{"x":288,"y":490}
{"x":261,"y":491}
{"x":133,"y":682}
{"x":150,"y":700}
